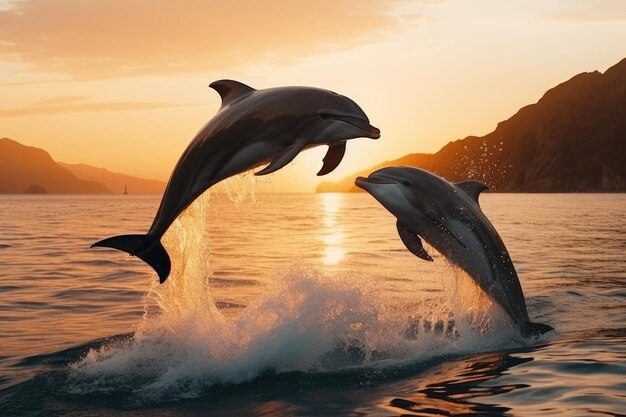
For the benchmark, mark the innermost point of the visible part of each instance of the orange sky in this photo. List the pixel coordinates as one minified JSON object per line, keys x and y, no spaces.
{"x":123,"y":84}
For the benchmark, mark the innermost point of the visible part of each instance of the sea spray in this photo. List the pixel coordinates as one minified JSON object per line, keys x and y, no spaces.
{"x":306,"y":320}
{"x":187,"y":298}
{"x":240,"y":188}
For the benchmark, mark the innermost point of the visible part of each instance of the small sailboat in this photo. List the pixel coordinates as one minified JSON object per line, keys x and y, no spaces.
{"x":125,"y":189}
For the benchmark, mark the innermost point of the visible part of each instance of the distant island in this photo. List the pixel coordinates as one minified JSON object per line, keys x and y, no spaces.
{"x":29,"y":170}
{"x":572,"y":140}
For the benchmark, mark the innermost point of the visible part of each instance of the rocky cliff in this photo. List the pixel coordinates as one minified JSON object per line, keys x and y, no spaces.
{"x":572,"y":140}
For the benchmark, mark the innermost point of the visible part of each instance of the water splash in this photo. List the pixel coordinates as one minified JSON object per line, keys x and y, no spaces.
{"x":240,"y":188}
{"x":307,"y":321}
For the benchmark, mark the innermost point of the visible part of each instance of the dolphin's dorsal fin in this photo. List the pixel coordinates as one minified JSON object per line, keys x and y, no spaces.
{"x":472,"y":188}
{"x":230,"y":90}
{"x":412,"y":242}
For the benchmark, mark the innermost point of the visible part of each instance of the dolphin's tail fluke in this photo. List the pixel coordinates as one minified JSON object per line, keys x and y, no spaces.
{"x":142,"y":246}
{"x":535,"y":329}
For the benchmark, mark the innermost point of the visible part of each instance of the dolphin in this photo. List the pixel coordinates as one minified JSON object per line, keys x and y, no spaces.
{"x":251,"y":128}
{"x":448,"y":217}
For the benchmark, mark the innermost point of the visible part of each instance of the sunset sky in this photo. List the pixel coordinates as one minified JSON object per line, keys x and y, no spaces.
{"x":124,"y":84}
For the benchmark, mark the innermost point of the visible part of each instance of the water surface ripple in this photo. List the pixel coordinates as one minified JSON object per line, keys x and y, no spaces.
{"x":305,"y":305}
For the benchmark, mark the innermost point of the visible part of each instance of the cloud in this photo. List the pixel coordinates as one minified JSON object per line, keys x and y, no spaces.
{"x":110,"y":38}
{"x":60,"y":100}
{"x":76,"y":104}
{"x":584,"y":11}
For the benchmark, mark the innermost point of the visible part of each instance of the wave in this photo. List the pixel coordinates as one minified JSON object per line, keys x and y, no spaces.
{"x":306,"y":321}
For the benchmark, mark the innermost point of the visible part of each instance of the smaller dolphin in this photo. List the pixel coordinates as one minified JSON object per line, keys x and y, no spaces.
{"x":449,"y":218}
{"x":252,"y":127}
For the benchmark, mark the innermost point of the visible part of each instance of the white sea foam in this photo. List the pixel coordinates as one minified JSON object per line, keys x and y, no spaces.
{"x":306,"y":321}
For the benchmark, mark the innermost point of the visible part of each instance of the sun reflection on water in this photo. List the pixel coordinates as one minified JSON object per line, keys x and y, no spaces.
{"x":333,"y":234}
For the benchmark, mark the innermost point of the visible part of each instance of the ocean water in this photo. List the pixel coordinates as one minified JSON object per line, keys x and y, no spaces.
{"x":305,"y":305}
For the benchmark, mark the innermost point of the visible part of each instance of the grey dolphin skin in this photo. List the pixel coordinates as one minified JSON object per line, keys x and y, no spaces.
{"x":449,"y":218}
{"x":252,"y":127}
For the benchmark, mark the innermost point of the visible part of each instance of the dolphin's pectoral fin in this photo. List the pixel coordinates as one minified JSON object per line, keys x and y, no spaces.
{"x":333,"y":157}
{"x":412,"y":242}
{"x":282,"y":158}
{"x":472,"y":188}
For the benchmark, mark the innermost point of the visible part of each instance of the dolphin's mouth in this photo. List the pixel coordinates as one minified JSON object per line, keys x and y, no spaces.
{"x":379,"y":178}
{"x":362,"y":181}
{"x":358,"y":122}
{"x":364,"y":126}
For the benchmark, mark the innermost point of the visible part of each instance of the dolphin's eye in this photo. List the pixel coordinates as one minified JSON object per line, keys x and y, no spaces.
{"x":324,"y":115}
{"x":406,"y":183}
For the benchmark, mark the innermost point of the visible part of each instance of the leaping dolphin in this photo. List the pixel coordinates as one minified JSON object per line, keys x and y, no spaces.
{"x":252,"y":127}
{"x":449,"y":218}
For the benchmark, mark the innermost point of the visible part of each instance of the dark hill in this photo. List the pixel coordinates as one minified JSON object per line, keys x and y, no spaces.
{"x":114,"y":181}
{"x":573,"y":139}
{"x":27,"y":169}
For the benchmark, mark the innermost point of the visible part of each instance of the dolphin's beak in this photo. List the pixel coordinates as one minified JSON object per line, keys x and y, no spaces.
{"x":370,"y":131}
{"x":364,"y":184}
{"x":374,"y":178}
{"x":360,"y":123}
{"x":367,"y":183}
{"x":361,"y":182}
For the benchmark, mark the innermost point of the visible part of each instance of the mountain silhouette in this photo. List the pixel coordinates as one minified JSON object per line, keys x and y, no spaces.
{"x":27,"y":169}
{"x":115,"y":181}
{"x":30,"y":170}
{"x":572,"y":140}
